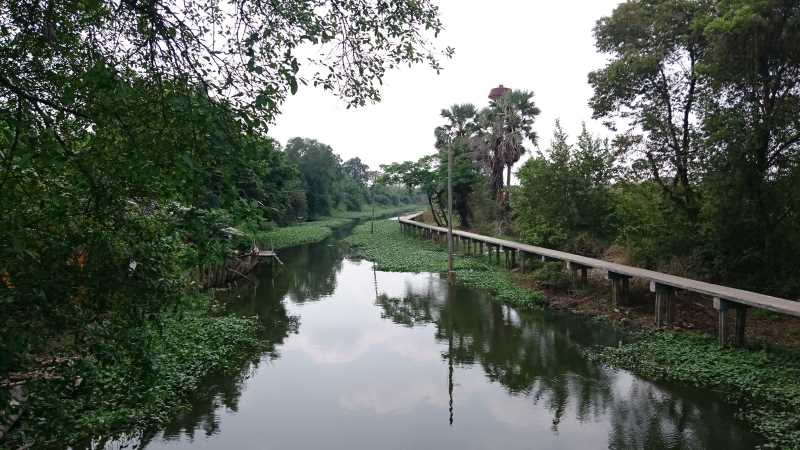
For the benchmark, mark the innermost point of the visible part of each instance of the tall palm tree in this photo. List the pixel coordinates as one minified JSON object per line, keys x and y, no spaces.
{"x":460,"y":123}
{"x":518,"y":112}
{"x":502,"y":130}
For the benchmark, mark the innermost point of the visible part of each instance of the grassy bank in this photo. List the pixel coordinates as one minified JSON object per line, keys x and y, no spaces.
{"x":319,"y":230}
{"x":763,"y":383}
{"x":114,"y":388}
{"x":392,"y":251}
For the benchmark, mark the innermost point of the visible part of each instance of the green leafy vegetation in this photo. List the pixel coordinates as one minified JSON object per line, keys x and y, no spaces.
{"x":134,"y":149}
{"x":391,"y":251}
{"x":552,"y":275}
{"x":762,"y":382}
{"x":319,"y":230}
{"x":299,"y":234}
{"x":110,"y":390}
{"x":712,"y":89}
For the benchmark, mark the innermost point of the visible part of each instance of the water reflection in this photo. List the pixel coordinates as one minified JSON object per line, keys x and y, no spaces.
{"x":365,"y":359}
{"x":541,"y":356}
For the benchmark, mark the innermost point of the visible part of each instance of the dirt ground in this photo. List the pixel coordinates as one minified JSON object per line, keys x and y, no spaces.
{"x":692,"y":311}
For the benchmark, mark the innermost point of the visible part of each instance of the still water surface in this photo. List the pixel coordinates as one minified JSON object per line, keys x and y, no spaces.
{"x":373,"y":360}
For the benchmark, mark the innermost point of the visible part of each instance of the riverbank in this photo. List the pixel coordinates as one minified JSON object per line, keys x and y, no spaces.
{"x":761,"y":380}
{"x":319,"y":230}
{"x":111,"y":388}
{"x":391,"y":251}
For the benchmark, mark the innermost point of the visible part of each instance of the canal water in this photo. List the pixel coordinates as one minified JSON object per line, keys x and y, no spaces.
{"x":363,"y":359}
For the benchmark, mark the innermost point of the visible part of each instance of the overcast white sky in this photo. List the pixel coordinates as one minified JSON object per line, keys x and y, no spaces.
{"x":541,"y":45}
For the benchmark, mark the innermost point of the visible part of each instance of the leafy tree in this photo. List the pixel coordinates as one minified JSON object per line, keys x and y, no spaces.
{"x":753,"y":126}
{"x":564,"y":199}
{"x":318,"y":167}
{"x":254,"y":64}
{"x":653,"y":83}
{"x":133,"y":132}
{"x":356,"y":170}
{"x":465,"y":178}
{"x":711,"y":88}
{"x":421,"y":174}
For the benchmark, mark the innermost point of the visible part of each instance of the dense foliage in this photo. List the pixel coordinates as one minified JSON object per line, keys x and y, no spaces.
{"x":133,"y":148}
{"x":564,"y":195}
{"x":704,"y":179}
{"x":95,"y":398}
{"x":711,"y":92}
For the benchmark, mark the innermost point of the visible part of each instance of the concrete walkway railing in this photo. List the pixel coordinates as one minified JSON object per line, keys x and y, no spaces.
{"x":662,"y":284}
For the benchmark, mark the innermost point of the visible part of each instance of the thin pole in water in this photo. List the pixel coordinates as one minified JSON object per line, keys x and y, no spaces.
{"x":450,"y":273}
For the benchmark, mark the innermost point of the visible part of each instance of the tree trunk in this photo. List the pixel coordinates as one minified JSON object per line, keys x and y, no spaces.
{"x":496,"y":180}
{"x":433,"y":211}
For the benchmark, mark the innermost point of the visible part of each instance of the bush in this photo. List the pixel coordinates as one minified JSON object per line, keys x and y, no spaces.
{"x":552,"y":275}
{"x":564,"y":193}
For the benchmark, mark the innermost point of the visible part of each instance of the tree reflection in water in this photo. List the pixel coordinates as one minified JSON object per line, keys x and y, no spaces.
{"x":541,"y":356}
{"x":536,"y":357}
{"x":308,"y":275}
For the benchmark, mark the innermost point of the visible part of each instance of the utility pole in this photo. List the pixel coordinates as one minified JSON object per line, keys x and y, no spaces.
{"x":372,"y":200}
{"x":450,"y":273}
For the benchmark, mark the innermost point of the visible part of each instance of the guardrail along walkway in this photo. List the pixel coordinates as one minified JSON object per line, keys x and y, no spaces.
{"x":663,"y":285}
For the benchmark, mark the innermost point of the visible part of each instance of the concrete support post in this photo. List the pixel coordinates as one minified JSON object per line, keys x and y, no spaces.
{"x":579,"y":274}
{"x":722,"y":306}
{"x":620,"y":287}
{"x":497,"y":250}
{"x":741,"y":316}
{"x":664,"y":303}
